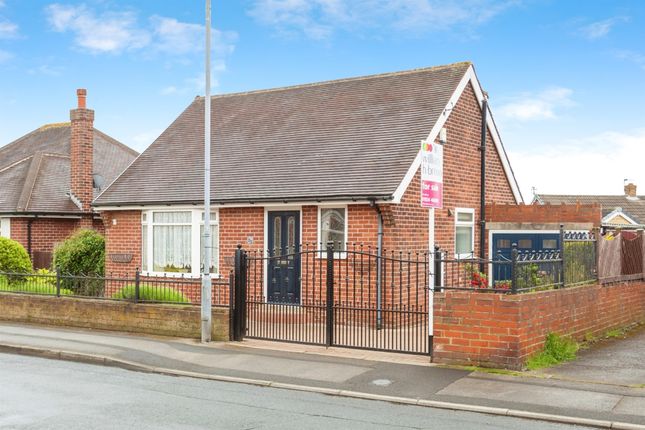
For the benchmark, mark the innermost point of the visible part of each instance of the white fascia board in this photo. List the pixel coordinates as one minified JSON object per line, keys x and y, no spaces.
{"x":234,"y":205}
{"x":469,"y":77}
{"x":614,"y":213}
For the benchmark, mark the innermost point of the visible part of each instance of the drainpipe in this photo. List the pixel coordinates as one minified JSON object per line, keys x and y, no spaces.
{"x":29,"y":223}
{"x":482,"y":192}
{"x":379,"y":256}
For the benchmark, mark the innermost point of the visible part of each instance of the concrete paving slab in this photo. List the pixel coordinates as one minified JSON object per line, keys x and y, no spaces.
{"x":631,"y":406}
{"x":532,"y":394}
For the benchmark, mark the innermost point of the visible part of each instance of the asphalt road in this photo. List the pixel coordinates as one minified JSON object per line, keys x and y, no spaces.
{"x":37,"y":393}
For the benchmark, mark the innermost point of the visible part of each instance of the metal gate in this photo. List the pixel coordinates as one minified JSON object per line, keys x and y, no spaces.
{"x":351,"y":297}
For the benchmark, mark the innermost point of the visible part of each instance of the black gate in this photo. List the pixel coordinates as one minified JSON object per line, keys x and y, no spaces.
{"x":351,"y":297}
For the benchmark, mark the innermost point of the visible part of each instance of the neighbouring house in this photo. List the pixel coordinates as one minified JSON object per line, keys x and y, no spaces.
{"x":307,"y":164}
{"x":619,"y":212}
{"x":49,"y":178}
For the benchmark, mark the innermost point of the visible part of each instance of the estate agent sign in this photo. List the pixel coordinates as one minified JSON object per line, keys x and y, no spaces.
{"x":431,"y":175}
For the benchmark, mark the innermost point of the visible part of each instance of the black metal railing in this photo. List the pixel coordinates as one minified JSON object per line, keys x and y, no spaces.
{"x":358,"y":297}
{"x":136,"y":288}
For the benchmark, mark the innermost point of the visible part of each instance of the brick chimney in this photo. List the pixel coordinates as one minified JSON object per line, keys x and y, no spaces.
{"x":81,"y":154}
{"x":630,"y":190}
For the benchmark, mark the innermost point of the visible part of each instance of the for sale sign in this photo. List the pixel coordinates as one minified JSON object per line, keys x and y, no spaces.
{"x":431,"y":175}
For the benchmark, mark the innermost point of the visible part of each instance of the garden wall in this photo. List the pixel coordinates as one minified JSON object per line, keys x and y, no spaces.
{"x":498,"y":330}
{"x":155,"y":319}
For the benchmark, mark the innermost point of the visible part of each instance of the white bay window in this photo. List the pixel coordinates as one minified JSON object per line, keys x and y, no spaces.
{"x":172,"y":242}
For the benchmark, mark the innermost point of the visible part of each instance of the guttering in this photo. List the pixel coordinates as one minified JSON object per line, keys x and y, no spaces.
{"x":379,"y":256}
{"x":315,"y":200}
{"x":70,"y":215}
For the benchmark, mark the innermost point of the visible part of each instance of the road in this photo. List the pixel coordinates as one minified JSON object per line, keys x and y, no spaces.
{"x":37,"y":393}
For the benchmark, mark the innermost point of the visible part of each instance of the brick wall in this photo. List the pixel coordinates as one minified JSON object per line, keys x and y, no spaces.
{"x":163,"y":320}
{"x":496,"y":330}
{"x":46,"y":233}
{"x":122,"y":238}
{"x":544,"y":213}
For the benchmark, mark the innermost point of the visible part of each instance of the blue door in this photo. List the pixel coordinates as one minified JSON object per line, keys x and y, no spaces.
{"x":283,"y":271}
{"x":503,"y":243}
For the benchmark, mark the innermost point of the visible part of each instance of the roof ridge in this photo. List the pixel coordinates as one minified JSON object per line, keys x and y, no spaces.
{"x":335,"y":81}
{"x":30,"y":181}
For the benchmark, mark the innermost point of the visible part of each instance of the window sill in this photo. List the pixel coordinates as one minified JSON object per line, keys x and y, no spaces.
{"x":176,"y":275}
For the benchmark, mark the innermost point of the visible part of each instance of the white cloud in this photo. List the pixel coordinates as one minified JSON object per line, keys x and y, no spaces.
{"x":600,"y":29}
{"x":8,"y":29}
{"x":633,"y":57}
{"x":537,"y":106}
{"x":46,"y":69}
{"x":5,"y":56}
{"x":117,"y":32}
{"x":112,"y":32}
{"x":318,"y":19}
{"x":591,"y":165}
{"x":176,"y":37}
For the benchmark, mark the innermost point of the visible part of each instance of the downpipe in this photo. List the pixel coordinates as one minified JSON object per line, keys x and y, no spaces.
{"x":379,"y":257}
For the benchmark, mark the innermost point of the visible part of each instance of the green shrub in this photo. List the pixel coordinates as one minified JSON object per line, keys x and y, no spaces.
{"x":557,"y":349}
{"x":32,"y":285}
{"x":83,"y":253}
{"x":13,"y":257}
{"x":148,"y":293}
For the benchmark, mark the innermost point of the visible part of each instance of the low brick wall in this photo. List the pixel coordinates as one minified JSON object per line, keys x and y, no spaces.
{"x":496,"y":330}
{"x":155,"y":319}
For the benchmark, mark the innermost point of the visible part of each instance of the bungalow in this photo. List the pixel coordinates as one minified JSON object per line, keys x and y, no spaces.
{"x":49,"y":178}
{"x":622,"y":212}
{"x":310,"y":163}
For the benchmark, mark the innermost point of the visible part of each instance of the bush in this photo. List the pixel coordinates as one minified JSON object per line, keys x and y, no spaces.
{"x":83,"y":253}
{"x":148,"y":293}
{"x":557,"y":349}
{"x":33,"y":285}
{"x":13,"y":257}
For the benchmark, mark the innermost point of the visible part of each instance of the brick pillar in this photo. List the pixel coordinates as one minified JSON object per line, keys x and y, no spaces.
{"x":81,"y":157}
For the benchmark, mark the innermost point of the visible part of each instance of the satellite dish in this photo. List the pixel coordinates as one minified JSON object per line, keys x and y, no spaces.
{"x":98,"y":181}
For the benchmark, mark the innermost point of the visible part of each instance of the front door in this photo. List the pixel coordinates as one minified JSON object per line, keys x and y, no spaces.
{"x":283,"y":269}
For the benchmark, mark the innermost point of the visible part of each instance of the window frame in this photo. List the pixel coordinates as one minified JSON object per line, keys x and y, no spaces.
{"x":196,"y":222}
{"x":337,"y":254}
{"x":5,"y":227}
{"x":470,"y":224}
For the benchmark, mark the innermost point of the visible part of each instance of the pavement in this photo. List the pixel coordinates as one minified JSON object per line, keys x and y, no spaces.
{"x":605,"y":388}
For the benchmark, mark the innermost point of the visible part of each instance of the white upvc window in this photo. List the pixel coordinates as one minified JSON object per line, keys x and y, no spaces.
{"x":172,"y":240}
{"x":464,"y":232}
{"x":5,"y":227}
{"x":332,"y":227}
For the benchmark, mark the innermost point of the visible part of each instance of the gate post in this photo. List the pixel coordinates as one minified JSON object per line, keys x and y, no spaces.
{"x":563,"y":267}
{"x":514,"y":255}
{"x":330,"y":294}
{"x":239,"y":319}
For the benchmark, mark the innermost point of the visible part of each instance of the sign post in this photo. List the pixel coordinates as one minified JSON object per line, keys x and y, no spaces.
{"x":431,"y":198}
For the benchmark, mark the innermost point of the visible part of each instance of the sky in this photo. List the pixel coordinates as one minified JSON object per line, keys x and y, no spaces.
{"x":566,"y":79}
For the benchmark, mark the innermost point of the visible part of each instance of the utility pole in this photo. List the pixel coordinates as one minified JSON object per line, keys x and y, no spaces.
{"x":206,"y":277}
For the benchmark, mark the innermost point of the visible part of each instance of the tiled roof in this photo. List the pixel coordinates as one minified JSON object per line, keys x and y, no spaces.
{"x":35,"y":169}
{"x":633,"y":207}
{"x":345,"y":139}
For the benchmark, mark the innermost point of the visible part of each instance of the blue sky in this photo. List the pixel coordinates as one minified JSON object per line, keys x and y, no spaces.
{"x":566,"y":78}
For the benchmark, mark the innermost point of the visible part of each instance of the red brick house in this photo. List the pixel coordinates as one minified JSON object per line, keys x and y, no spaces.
{"x":49,"y":178}
{"x":307,"y":164}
